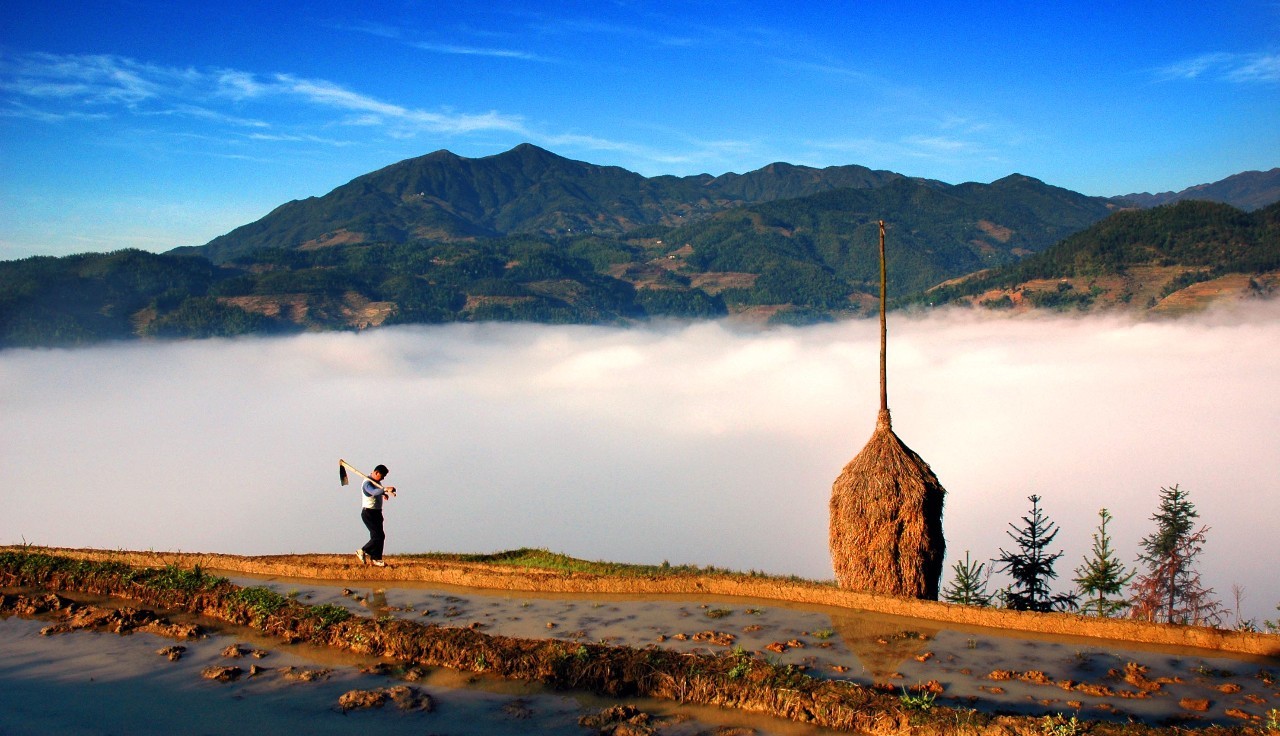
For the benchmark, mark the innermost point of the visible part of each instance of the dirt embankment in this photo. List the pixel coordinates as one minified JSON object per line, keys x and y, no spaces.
{"x":733,"y":680}
{"x":615,"y":671}
{"x":503,"y":577}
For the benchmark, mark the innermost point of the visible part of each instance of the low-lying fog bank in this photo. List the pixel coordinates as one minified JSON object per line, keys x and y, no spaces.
{"x":702,"y":443}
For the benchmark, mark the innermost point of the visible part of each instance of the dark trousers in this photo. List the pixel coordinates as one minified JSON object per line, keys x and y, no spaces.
{"x":372,"y":518}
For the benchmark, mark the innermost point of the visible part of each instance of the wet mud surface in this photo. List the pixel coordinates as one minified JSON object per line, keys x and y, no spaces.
{"x":202,"y":677}
{"x":803,"y":662}
{"x":965,"y":667}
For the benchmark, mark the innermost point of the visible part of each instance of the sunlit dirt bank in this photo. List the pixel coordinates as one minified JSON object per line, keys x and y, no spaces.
{"x":511,"y":578}
{"x":158,"y":584}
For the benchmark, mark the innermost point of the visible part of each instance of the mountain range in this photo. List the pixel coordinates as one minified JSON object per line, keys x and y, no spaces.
{"x":1170,"y":259}
{"x":1248,"y":191}
{"x":529,"y":235}
{"x":527,"y":190}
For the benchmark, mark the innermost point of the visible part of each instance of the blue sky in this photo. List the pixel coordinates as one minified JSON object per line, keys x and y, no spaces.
{"x":158,"y":124}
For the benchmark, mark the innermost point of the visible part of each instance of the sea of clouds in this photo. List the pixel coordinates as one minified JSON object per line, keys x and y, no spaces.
{"x":704,"y":443}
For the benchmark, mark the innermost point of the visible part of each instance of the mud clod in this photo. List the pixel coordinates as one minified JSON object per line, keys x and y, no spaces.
{"x":362,"y":700}
{"x":222,"y":674}
{"x":715,"y":637}
{"x":1195,"y":705}
{"x":404,"y":697}
{"x":174,"y":653}
{"x":619,"y":720}
{"x":301,"y":674}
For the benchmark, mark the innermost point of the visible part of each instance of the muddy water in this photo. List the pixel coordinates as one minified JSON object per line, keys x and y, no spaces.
{"x":839,"y":643}
{"x":102,"y":683}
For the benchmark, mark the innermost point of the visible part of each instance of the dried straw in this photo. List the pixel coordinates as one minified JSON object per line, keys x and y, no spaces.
{"x":886,"y":506}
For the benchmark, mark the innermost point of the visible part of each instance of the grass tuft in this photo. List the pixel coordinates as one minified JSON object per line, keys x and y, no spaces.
{"x":327,"y":614}
{"x":263,"y":602}
{"x":172,"y":577}
{"x":542,"y":559}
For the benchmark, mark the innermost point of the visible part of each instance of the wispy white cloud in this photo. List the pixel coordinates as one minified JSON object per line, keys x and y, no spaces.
{"x":90,"y":79}
{"x":401,"y":121}
{"x":63,"y":87}
{"x":406,"y":36}
{"x":287,"y":138}
{"x":1229,"y":67}
{"x":597,"y":28}
{"x":964,"y":124}
{"x":1194,"y":67}
{"x":229,"y":108}
{"x":925,"y":144}
{"x":829,"y":68}
{"x":203,"y":113}
{"x":237,"y":85}
{"x":1257,"y":68}
{"x":443,"y":48}
{"x":894,"y":152}
{"x":363,"y":120}
{"x":685,"y":154}
{"x":16,"y":109}
{"x":370,"y":28}
{"x":328,"y":94}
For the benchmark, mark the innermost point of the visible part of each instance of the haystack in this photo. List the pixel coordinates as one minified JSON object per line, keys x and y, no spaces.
{"x":886,"y":506}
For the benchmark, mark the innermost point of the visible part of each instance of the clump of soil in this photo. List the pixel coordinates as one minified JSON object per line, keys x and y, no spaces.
{"x":1035,"y":677}
{"x":628,"y":720}
{"x":619,"y":720}
{"x":72,"y":616}
{"x":302,"y":674}
{"x":718,"y":638}
{"x":404,"y":697}
{"x":221,"y":674}
{"x":174,"y":653}
{"x":236,"y":651}
{"x":1198,"y":705}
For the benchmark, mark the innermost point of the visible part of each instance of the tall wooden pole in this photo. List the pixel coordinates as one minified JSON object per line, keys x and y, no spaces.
{"x":884,"y":333}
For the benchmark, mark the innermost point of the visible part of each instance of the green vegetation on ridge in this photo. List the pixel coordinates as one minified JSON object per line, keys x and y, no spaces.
{"x":524,"y":191}
{"x":529,"y":236}
{"x":813,"y":258}
{"x":542,"y":559}
{"x":1207,"y":238}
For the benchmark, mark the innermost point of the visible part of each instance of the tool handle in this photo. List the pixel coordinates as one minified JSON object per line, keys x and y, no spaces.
{"x":352,"y":468}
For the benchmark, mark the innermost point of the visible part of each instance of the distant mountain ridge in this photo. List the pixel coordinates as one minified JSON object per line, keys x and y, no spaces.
{"x":531,"y":191}
{"x":1173,"y":258}
{"x":938,"y":231}
{"x":1248,"y":191}
{"x":530,"y":236}
{"x":526,"y":190}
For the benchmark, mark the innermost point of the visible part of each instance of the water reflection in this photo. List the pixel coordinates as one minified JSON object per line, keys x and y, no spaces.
{"x":881,"y":643}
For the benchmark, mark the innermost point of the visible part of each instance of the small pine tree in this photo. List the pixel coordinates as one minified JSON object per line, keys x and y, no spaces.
{"x":1170,"y":590}
{"x":969,"y":586}
{"x":1102,"y":578}
{"x":1031,"y":568}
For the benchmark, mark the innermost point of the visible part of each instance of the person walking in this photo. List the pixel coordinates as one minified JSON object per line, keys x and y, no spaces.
{"x":371,"y":514}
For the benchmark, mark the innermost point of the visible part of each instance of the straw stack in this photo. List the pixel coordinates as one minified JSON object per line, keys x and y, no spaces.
{"x":886,"y":507}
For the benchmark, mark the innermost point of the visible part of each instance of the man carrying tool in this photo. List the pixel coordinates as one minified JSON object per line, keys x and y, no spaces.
{"x":371,"y":514}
